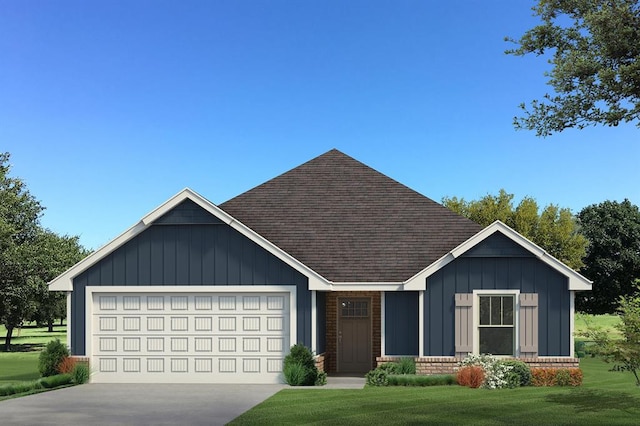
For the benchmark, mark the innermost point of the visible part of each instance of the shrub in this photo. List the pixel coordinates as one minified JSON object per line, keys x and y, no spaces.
{"x":415,"y":380}
{"x":406,"y":365}
{"x":67,"y":365}
{"x":321,"y":379}
{"x":495,"y":372}
{"x":80,"y":373}
{"x":295,"y":374}
{"x":519,"y":374}
{"x":378,"y":377}
{"x":562,"y":377}
{"x":306,"y":373}
{"x":543,"y":376}
{"x":390,"y":367}
{"x":55,"y":381}
{"x":471,"y":376}
{"x":580,"y":348}
{"x":51,"y":357}
{"x":575,"y":377}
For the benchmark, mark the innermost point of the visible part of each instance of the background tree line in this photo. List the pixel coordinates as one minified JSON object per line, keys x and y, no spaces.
{"x":30,"y":256}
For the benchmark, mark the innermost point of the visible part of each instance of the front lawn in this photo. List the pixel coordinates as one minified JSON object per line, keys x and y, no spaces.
{"x":605,"y":398}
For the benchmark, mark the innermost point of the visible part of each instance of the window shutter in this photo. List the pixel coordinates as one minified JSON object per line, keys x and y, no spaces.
{"x":464,"y":324}
{"x":528,"y":325}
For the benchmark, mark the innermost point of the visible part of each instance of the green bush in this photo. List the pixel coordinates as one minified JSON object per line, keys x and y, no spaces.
{"x":406,"y":365}
{"x":415,"y":380}
{"x":519,"y":374}
{"x":299,"y":367}
{"x":80,"y":373}
{"x":321,"y":379}
{"x":56,"y":381}
{"x":390,"y":368}
{"x":378,"y":377}
{"x":580,"y":349}
{"x":51,"y":357}
{"x":563,"y":378}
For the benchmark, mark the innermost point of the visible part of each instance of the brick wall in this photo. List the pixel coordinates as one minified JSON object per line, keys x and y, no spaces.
{"x":330,"y":361}
{"x":449,"y":365}
{"x":319,"y":359}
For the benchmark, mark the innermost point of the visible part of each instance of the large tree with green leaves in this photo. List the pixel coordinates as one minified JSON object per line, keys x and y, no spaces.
{"x":554,"y":228}
{"x":593,"y":48}
{"x":19,"y":226}
{"x":613,"y":255}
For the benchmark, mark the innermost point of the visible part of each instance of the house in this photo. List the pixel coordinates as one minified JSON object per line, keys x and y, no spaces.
{"x":331,"y":254}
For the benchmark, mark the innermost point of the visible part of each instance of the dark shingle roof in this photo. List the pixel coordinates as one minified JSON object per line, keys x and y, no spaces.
{"x":349,"y":222}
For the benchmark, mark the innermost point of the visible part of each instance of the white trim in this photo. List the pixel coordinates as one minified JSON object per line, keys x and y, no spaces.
{"x":421,"y":323}
{"x":576,"y":280}
{"x":69,"y":320}
{"x":383,"y":336}
{"x":516,"y":318}
{"x":314,"y":322}
{"x":572,"y":322}
{"x":90,"y":290}
{"x":364,"y":286}
{"x":64,"y":282}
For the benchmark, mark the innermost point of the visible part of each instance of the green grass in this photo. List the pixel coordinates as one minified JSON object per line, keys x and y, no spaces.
{"x":605,"y":322}
{"x":21,"y":364}
{"x":605,"y":398}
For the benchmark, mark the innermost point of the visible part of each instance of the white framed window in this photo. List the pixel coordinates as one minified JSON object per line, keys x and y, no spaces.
{"x":496,"y":322}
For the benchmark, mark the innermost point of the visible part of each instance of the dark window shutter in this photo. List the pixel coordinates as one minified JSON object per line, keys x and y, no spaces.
{"x":528,"y":325}
{"x":464,"y":324}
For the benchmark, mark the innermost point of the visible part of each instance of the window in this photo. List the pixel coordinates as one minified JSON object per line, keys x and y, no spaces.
{"x":496,"y":331}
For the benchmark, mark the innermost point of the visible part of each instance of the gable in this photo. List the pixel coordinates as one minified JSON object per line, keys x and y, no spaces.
{"x":187,"y":213}
{"x":497,"y":245}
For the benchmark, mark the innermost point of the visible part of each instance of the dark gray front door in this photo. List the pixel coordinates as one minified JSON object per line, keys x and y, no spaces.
{"x":354,"y":335}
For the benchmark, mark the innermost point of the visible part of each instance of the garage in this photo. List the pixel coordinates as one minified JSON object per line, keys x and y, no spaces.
{"x":230,"y":334}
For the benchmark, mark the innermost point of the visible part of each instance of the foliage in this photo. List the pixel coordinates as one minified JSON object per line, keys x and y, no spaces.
{"x":299,"y":366}
{"x":67,"y":365}
{"x":420,"y":380}
{"x":594,"y":67}
{"x":556,"y":377}
{"x":406,"y":365}
{"x":321,"y":378}
{"x":471,"y":376}
{"x":520,"y":373}
{"x":51,"y":357}
{"x":554,"y":228}
{"x":496,"y":373}
{"x":50,"y":382}
{"x":390,"y":367}
{"x":378,"y":376}
{"x":613,"y":255}
{"x":624,"y":353}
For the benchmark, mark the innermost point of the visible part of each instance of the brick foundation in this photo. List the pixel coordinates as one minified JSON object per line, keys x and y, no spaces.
{"x":449,"y":365}
{"x":331,"y":353}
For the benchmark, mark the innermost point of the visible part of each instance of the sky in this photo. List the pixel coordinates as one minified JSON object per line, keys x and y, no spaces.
{"x":109,"y":108}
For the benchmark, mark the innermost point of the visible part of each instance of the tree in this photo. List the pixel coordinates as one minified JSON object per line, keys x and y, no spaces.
{"x":595,"y":67}
{"x":613,"y":255}
{"x":51,"y":255}
{"x":625,"y":352}
{"x":554,"y":229}
{"x":19,"y":223}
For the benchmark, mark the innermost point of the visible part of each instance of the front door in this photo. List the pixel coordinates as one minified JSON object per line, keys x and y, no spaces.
{"x":354,"y":335}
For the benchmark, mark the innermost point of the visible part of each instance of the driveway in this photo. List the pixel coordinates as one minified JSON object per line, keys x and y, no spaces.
{"x":135,"y":404}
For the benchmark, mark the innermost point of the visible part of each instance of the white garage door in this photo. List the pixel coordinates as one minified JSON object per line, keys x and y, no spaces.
{"x":189,"y":337}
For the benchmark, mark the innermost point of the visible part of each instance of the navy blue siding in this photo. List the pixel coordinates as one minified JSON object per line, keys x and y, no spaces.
{"x":401,"y":323}
{"x":187,"y":213}
{"x":497,"y":245}
{"x":189,"y":255}
{"x":529,"y":275}
{"x":321,"y":322}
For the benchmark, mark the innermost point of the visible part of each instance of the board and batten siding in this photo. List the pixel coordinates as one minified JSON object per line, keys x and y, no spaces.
{"x":199,"y":251}
{"x":497,"y":264}
{"x":401,"y":323}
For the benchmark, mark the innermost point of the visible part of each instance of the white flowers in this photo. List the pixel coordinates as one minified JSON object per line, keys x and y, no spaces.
{"x":495,"y":372}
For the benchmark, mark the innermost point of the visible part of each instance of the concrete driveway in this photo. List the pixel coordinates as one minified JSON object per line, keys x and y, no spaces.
{"x":135,"y":404}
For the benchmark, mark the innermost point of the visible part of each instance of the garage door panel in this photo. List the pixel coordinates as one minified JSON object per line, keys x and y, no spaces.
{"x":190,"y":337}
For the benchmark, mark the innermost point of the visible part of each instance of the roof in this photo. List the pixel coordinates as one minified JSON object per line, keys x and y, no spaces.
{"x":349,"y":222}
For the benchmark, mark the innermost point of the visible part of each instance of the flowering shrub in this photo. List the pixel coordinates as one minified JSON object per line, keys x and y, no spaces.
{"x":496,"y":373}
{"x":471,"y":376}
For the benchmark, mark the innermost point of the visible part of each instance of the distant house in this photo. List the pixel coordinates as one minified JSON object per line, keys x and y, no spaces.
{"x":332,"y":254}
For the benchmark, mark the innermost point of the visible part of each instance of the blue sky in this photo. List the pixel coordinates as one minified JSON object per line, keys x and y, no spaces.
{"x":109,"y":108}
